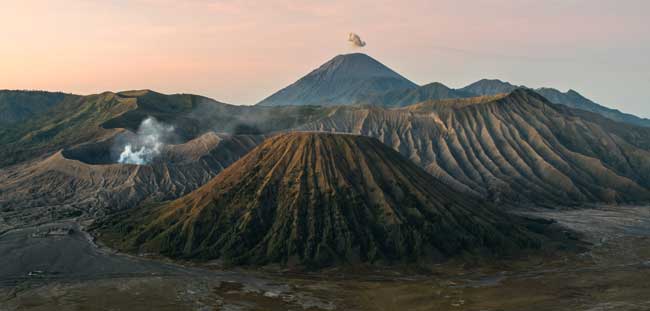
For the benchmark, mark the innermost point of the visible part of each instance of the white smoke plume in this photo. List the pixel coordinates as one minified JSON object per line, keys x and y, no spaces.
{"x":356,"y":40}
{"x":149,"y":141}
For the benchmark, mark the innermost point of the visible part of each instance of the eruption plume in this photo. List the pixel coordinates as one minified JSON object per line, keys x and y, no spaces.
{"x":356,"y":40}
{"x":150,"y":138}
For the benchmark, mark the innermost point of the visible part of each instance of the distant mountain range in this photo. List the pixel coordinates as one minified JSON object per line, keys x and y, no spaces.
{"x":489,"y":87}
{"x":410,"y":96}
{"x":570,"y":98}
{"x":358,"y":79}
{"x":19,"y":106}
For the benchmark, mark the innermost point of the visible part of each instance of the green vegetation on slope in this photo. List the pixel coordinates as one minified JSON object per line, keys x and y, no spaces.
{"x":74,"y":120}
{"x":18,"y":106}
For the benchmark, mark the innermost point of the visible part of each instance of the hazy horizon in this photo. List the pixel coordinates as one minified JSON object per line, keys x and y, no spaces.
{"x":239,"y":52}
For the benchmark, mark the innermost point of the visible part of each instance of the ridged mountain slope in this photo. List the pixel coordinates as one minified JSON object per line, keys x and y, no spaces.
{"x":517,"y":147}
{"x":317,"y":199}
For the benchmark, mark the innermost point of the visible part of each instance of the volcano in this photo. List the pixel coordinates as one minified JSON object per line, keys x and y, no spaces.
{"x":345,"y":79}
{"x":515,"y":147}
{"x":317,"y":199}
{"x":86,"y":178}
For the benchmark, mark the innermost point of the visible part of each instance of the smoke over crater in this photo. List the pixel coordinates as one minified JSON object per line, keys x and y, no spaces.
{"x":150,"y":138}
{"x":356,"y":40}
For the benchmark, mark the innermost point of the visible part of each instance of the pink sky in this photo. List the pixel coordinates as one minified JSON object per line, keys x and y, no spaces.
{"x":241,"y":51}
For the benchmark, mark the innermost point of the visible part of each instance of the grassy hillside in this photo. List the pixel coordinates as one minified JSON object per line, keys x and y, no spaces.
{"x":74,"y":120}
{"x":18,"y":106}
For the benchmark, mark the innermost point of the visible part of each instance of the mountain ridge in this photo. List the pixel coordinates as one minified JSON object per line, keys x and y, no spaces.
{"x":517,"y":147}
{"x":411,"y":96}
{"x":489,"y":87}
{"x":570,"y":98}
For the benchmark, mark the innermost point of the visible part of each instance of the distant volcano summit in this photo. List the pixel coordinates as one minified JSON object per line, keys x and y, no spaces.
{"x":358,"y":79}
{"x":343,"y":80}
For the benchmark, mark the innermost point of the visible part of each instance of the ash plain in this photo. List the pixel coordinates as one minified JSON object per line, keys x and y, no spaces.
{"x":55,"y":264}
